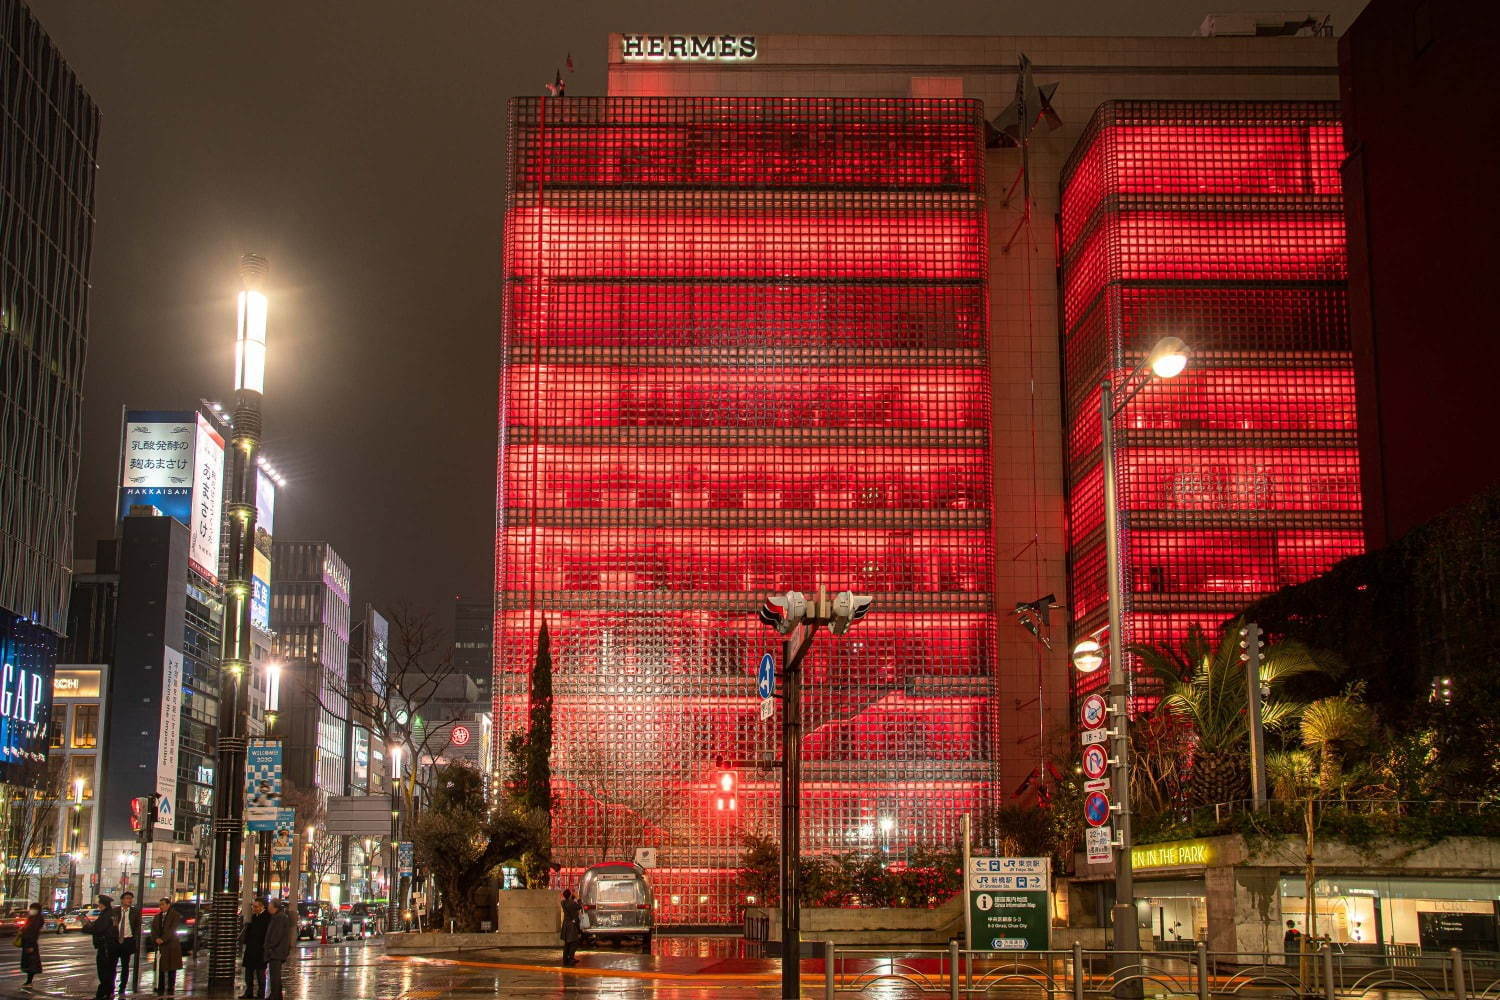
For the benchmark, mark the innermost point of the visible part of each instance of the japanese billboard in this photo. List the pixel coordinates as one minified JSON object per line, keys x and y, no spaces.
{"x":286,"y":832}
{"x":1010,"y":904}
{"x":167,"y":738}
{"x":260,"y":566}
{"x":174,"y":461}
{"x":262,"y":784}
{"x":208,"y":500}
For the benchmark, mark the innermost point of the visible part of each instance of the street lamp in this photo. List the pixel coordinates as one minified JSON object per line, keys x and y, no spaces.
{"x":1167,"y":360}
{"x":234,"y":651}
{"x":307,"y":859}
{"x":273,"y":692}
{"x":392,"y":876}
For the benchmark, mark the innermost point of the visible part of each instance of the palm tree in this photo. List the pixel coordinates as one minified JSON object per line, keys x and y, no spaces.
{"x":1331,"y":728}
{"x":1205,"y":688}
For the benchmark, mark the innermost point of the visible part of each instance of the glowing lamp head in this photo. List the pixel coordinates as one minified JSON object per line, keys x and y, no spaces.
{"x":1088,"y":656}
{"x":250,"y":343}
{"x":1168,"y":358}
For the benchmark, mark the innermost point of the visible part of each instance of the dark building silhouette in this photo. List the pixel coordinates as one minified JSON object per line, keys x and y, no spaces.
{"x":1422,"y":134}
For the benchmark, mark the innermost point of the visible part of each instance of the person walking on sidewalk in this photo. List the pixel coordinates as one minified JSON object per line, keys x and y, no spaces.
{"x":31,"y":942}
{"x":278,"y":947}
{"x":128,"y":922}
{"x":168,"y":949}
{"x":253,"y":937}
{"x":572,"y":931}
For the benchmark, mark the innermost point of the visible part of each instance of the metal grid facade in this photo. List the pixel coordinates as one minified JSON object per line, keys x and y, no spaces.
{"x":745,"y":351}
{"x":1222,"y":224}
{"x":49,"y":135}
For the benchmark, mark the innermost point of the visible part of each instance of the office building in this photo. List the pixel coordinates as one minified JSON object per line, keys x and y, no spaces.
{"x":369,"y":663}
{"x":49,"y":136}
{"x":80,"y":694}
{"x":310,"y":620}
{"x":473,"y":646}
{"x":849,"y":377}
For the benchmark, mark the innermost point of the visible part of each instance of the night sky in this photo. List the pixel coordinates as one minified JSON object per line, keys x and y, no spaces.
{"x":360,"y":146}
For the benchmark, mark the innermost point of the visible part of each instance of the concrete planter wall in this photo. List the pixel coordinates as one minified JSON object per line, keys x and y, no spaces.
{"x":871,"y":925}
{"x":528,"y":918}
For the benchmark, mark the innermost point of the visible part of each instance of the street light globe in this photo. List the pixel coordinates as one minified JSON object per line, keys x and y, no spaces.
{"x":1168,"y":358}
{"x":1088,"y":656}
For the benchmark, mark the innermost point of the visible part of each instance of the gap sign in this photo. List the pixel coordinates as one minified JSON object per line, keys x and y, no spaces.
{"x":1010,"y":904}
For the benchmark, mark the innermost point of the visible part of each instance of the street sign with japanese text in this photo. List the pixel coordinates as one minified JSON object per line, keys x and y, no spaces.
{"x":1096,"y":842}
{"x":1009,"y":903}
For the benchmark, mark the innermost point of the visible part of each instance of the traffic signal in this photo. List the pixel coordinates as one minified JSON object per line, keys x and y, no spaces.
{"x":727,"y":796}
{"x":139,"y":809}
{"x":784,"y":612}
{"x":848,"y":608}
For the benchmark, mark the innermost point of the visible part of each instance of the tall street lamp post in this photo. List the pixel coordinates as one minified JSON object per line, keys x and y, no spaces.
{"x":1166,"y":360}
{"x":234,"y":688}
{"x":392,"y":876}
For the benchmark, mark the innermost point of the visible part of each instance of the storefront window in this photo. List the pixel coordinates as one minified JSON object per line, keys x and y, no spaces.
{"x":1398,"y":915}
{"x":59,"y":726}
{"x":1177,"y":911}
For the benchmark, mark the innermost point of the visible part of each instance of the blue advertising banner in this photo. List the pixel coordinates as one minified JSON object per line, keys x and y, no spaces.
{"x":405,"y":856}
{"x":286,"y":833}
{"x":263,"y":784}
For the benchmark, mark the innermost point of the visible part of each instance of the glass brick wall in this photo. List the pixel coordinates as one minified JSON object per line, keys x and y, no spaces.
{"x":744,"y":352}
{"x":1222,"y":224}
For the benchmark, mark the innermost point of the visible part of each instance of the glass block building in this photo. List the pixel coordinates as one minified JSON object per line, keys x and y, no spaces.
{"x":49,"y":134}
{"x":745,"y":351}
{"x":1220,"y":223}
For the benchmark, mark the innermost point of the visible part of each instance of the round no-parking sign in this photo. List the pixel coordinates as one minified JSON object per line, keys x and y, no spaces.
{"x":1096,"y":809}
{"x":1095,"y":761}
{"x":1093,"y":711}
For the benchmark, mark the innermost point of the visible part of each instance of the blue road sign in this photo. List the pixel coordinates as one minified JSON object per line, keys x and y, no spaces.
{"x":765,"y":676}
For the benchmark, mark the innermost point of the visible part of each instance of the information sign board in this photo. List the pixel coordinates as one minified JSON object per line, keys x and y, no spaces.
{"x":1009,"y":904}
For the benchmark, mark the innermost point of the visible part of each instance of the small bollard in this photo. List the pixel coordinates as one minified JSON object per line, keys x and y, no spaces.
{"x":830,"y":978}
{"x":1202,"y":971}
{"x":1077,"y":970}
{"x":1460,"y":987}
{"x":1330,"y":987}
{"x":952,"y":970}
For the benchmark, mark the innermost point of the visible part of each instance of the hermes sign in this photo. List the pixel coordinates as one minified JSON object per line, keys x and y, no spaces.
{"x":714,"y":48}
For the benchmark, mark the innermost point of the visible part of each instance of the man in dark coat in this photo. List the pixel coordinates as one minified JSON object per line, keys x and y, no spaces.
{"x":572,"y":931}
{"x":254,"y":940}
{"x":105,"y":931}
{"x":168,"y":948}
{"x":278,"y":947}
{"x":128,"y":931}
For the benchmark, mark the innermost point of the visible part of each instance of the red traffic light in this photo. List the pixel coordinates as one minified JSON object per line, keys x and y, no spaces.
{"x":726,"y":800}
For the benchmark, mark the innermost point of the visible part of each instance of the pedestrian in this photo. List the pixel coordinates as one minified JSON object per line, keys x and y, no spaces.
{"x":278,"y":946}
{"x":105,"y":930}
{"x":30,"y":941}
{"x":572,"y":930}
{"x":253,"y":938}
{"x":1291,"y":941}
{"x":168,"y":948}
{"x":129,"y":935}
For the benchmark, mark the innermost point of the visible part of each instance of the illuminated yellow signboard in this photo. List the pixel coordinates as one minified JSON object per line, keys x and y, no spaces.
{"x":75,"y":684}
{"x":1178,"y":854}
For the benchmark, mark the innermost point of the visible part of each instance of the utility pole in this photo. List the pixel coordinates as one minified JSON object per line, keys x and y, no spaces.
{"x":1250,"y":642}
{"x":235,"y":654}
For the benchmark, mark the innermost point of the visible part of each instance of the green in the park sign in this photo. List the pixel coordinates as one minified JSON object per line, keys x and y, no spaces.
{"x":1010,"y":904}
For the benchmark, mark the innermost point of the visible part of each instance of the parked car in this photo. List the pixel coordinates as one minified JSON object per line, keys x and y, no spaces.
{"x":311,"y":919}
{"x":617,"y":903}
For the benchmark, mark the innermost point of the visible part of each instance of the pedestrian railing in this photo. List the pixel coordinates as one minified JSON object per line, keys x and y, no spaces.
{"x":1088,"y":974}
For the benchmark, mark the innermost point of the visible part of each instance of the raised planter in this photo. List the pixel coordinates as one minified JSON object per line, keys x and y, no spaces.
{"x":865,"y":925}
{"x":528,"y":918}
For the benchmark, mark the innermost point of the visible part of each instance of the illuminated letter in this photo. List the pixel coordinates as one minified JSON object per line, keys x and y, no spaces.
{"x":747,"y":47}
{"x":36,"y":698}
{"x":701,"y":47}
{"x":676,"y":46}
{"x":631,"y":47}
{"x":654,"y":46}
{"x":726,"y":46}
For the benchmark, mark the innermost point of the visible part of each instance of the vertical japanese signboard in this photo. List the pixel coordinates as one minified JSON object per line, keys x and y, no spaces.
{"x":260,"y":564}
{"x":262,"y":784}
{"x":208,"y":500}
{"x":1009,"y":904}
{"x":167,"y":738}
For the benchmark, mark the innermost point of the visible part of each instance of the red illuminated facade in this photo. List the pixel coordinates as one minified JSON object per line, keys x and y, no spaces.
{"x":1222,"y":224}
{"x":745,"y":351}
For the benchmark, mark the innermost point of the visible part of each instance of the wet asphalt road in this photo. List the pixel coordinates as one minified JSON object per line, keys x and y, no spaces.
{"x":714,"y":968}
